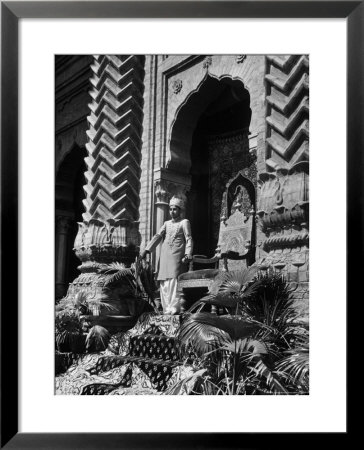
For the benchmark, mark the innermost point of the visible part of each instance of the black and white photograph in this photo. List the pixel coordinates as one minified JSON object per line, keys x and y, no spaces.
{"x":182,"y":224}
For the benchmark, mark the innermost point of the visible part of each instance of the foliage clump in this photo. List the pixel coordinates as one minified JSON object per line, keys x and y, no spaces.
{"x":255,"y":345}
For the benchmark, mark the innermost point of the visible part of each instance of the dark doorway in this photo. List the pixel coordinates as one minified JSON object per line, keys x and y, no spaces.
{"x":78,"y":208}
{"x":219,"y":149}
{"x":69,"y":208}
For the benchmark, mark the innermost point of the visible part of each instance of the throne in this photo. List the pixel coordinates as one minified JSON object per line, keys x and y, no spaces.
{"x":236,"y":242}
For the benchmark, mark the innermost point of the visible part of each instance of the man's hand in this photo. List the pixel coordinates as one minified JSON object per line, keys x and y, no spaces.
{"x":143,"y":255}
{"x":187,"y":258}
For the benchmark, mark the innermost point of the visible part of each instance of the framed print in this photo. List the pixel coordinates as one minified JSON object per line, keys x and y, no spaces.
{"x":148,"y":134}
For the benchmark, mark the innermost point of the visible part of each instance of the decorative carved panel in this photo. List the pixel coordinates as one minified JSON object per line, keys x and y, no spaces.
{"x":165,"y":189}
{"x":238,"y":215}
{"x":105,"y":241}
{"x":283,"y":200}
{"x":229,"y":154}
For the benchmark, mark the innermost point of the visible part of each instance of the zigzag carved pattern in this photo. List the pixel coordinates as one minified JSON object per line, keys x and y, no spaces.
{"x":287,"y":95}
{"x":115,"y":129}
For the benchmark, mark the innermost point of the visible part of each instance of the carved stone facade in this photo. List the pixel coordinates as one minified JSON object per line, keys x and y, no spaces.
{"x":287,"y":81}
{"x":283,"y":209}
{"x":158,"y":125}
{"x":283,"y":220}
{"x":109,"y":231}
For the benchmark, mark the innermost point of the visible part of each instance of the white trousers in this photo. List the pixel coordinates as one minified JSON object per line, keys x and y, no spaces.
{"x":169,"y":296}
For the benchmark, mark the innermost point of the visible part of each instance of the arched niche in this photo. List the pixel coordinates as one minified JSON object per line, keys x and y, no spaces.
{"x":68,"y":211}
{"x":238,"y":213}
{"x":211,"y":95}
{"x":216,"y":116}
{"x":235,"y":186}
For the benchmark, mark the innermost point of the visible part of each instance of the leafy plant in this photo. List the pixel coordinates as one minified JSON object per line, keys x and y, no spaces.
{"x":229,"y":290}
{"x":138,"y":277}
{"x":258,"y":347}
{"x":115,"y":272}
{"x":80,"y":304}
{"x":294,"y":368}
{"x":97,"y":339}
{"x":68,"y":326}
{"x":185,"y":385}
{"x":145,"y":278}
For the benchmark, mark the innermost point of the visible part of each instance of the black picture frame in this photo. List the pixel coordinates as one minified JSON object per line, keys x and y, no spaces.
{"x":11,"y":12}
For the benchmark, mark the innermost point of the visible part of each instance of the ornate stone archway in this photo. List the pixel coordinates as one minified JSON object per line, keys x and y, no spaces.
{"x":213,"y":96}
{"x":188,"y":113}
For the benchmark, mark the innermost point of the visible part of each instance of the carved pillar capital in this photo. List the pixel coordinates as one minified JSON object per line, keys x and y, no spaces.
{"x":105,"y":241}
{"x":162,"y":195}
{"x":165,"y":190}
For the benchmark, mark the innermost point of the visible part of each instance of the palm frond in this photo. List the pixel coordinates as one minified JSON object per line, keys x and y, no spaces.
{"x":251,"y":288}
{"x":80,"y":298}
{"x":271,"y":305}
{"x":112,"y":267}
{"x":185,"y":385}
{"x":143,"y":282}
{"x":125,"y":274}
{"x":296,"y":364}
{"x":242,"y":346}
{"x":271,"y":379}
{"x":97,"y":338}
{"x":70,"y":303}
{"x":208,"y":387}
{"x":97,"y":302}
{"x":234,"y":281}
{"x":222,"y":299}
{"x":203,"y":337}
{"x":235,"y":326}
{"x":217,"y":282}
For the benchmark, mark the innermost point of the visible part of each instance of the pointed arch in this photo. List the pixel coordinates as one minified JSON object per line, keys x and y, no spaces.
{"x":190,"y":111}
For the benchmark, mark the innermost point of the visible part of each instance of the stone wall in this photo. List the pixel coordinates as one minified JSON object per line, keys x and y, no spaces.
{"x":176,"y":79}
{"x":72,"y":86}
{"x":71,"y":109}
{"x":278,"y":136}
{"x":142,"y":113}
{"x":283,"y":206}
{"x":109,"y":232}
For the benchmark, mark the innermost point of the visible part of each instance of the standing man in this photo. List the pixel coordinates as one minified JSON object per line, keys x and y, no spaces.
{"x":176,"y":251}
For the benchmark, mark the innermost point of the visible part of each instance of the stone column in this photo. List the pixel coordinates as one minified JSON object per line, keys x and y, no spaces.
{"x":63,"y":224}
{"x":283,"y":197}
{"x":109,"y":231}
{"x":162,"y":197}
